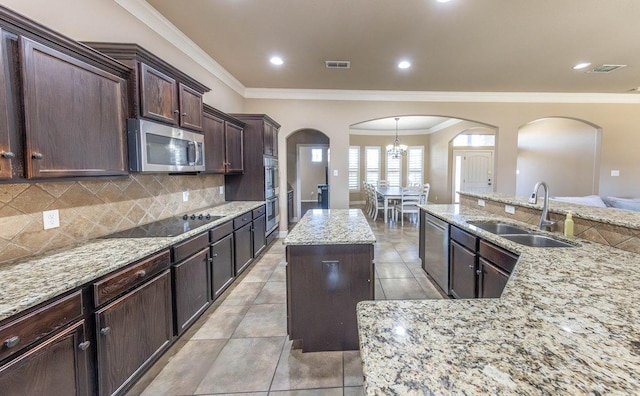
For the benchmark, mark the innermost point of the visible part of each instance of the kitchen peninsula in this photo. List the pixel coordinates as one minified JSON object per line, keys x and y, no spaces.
{"x":329,"y":270}
{"x":567,"y":323}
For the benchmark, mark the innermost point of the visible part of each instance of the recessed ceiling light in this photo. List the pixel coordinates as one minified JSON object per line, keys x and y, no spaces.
{"x":582,"y":65}
{"x":404,"y":64}
{"x":276,"y":60}
{"x":443,"y":1}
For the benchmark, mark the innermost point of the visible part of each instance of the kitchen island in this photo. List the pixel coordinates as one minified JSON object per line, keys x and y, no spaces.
{"x":567,"y":323}
{"x":329,"y":270}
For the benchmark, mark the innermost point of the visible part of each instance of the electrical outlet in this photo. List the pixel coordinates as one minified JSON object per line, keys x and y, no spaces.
{"x":51,"y":219}
{"x":436,"y":197}
{"x":221,"y":190}
{"x":185,"y":196}
{"x":509,"y":209}
{"x":481,"y":202}
{"x":615,"y":173}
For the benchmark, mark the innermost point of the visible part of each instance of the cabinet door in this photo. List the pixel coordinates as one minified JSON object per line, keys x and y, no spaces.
{"x":131,"y":332}
{"x":259,"y":235}
{"x":463,"y":272}
{"x":190,"y":108}
{"x":7,"y":153}
{"x":274,"y":140}
{"x":243,"y":247}
{"x":290,"y":206}
{"x":268,"y":138}
{"x":214,"y":146}
{"x":191,"y":289}
{"x":492,"y":280}
{"x":57,"y":366}
{"x":222,"y":269}
{"x":234,"y":148}
{"x":158,"y":96}
{"x":74,"y":118}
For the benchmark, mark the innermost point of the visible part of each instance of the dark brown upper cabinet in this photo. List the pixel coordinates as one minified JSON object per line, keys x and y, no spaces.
{"x":62,"y":105}
{"x":158,"y":91}
{"x":224,"y":148}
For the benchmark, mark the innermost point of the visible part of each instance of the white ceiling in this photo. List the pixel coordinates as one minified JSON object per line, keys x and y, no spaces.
{"x":407,"y":125}
{"x":459,"y":46}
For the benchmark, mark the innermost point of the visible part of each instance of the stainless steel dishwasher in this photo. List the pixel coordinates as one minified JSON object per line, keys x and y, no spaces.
{"x":436,"y":251}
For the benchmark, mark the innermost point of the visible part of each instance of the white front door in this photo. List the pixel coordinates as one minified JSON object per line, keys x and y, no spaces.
{"x":473,"y":171}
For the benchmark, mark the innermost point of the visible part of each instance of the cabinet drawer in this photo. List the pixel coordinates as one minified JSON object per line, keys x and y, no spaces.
{"x":220,"y":232}
{"x":464,"y":238}
{"x":185,"y":249}
{"x":39,"y":323}
{"x":259,"y":212}
{"x":123,"y":280}
{"x":242,"y":220}
{"x":498,"y":256}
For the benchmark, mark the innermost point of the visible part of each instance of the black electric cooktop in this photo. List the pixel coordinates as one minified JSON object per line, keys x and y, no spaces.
{"x":170,"y":227}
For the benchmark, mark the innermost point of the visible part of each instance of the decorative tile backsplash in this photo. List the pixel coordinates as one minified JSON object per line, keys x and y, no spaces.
{"x":606,"y":234}
{"x":90,"y":209}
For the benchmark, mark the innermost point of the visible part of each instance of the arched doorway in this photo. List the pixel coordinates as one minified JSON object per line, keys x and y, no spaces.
{"x":564,"y":152}
{"x":307,"y":168}
{"x":473,"y":161}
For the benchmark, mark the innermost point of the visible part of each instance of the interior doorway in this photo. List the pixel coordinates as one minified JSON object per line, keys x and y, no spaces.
{"x":312,"y":184}
{"x":472,"y":172}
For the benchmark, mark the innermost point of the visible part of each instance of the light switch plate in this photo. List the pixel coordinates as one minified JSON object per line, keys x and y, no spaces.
{"x":615,"y":172}
{"x":51,"y":219}
{"x":335,"y":172}
{"x":185,"y":196}
{"x":481,"y":202}
{"x":509,"y":209}
{"x":221,"y":189}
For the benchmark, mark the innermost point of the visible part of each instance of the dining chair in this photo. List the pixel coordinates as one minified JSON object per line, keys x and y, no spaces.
{"x":378,"y":205}
{"x":425,"y":194}
{"x":409,"y":201}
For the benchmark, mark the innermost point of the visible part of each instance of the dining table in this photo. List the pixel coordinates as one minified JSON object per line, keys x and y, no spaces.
{"x":394,"y":193}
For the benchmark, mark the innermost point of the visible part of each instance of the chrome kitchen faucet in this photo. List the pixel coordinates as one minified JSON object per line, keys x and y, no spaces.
{"x":545,"y":222}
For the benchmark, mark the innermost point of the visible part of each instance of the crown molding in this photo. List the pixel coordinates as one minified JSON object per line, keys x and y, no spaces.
{"x":424,"y":96}
{"x":148,"y":15}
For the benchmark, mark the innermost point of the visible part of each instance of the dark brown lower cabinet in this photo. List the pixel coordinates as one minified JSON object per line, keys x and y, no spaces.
{"x":57,"y":366}
{"x":324,"y":284}
{"x":131,"y":332}
{"x":243,"y":247}
{"x":492,"y":280}
{"x":259,"y":235}
{"x":462,"y":271}
{"x":191,"y":289}
{"x":222,"y":268}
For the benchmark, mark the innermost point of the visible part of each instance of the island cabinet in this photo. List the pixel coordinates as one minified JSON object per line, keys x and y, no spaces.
{"x":47,"y":351}
{"x":62,"y":105}
{"x":223,"y":138}
{"x":157,"y":90}
{"x":133,"y":321}
{"x":190,"y":270}
{"x":462,"y":261}
{"x":222,"y":258}
{"x":494,"y":268}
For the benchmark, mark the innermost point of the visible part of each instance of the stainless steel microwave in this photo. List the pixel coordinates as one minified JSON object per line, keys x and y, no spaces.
{"x":156,"y":147}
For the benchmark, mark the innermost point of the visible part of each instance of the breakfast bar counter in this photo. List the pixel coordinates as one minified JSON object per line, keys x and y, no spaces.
{"x":567,"y":323}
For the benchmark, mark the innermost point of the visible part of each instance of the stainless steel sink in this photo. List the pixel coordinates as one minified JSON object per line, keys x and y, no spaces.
{"x":536,"y":240}
{"x":499,"y":228}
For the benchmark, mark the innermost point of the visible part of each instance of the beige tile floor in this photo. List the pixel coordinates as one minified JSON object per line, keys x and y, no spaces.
{"x":240,"y":345}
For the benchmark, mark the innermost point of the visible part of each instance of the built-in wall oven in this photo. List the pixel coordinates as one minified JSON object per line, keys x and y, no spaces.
{"x":271,"y":186}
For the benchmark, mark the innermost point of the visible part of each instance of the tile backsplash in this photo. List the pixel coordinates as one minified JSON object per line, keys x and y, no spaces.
{"x":90,"y":209}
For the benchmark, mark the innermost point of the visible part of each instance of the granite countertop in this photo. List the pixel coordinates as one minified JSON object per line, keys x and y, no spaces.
{"x":28,"y":282}
{"x":331,"y":227}
{"x":567,"y":323}
{"x":613,"y":216}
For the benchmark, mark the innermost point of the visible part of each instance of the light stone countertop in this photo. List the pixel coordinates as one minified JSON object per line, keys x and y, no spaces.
{"x":331,"y":227}
{"x":568,"y":323}
{"x":28,"y":282}
{"x":613,"y":216}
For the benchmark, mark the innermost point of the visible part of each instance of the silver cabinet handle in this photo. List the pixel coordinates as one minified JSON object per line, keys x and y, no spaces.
{"x":105,"y":330}
{"x":11,"y":342}
{"x":141,"y":274}
{"x":184,"y":114}
{"x":176,"y":112}
{"x":8,"y":154}
{"x":84,"y":345}
{"x":37,"y":156}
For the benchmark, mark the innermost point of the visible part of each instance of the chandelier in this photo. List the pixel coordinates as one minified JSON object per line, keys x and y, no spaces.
{"x":396,"y":150}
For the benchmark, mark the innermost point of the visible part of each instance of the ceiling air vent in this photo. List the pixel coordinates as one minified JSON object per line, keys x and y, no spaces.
{"x":605,"y":68}
{"x":338,"y":64}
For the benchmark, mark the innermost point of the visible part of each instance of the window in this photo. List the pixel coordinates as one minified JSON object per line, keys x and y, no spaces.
{"x":316,"y":155}
{"x":394,"y":169}
{"x":372,"y":164}
{"x":354,"y":168}
{"x":415,"y":164}
{"x":474,"y":140}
